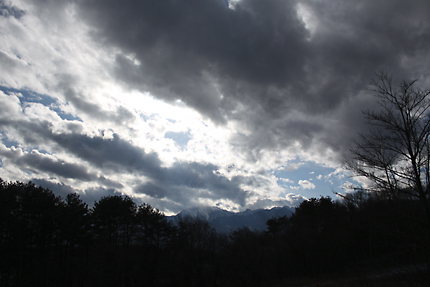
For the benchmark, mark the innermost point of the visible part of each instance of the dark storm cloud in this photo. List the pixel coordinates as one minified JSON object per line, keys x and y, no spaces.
{"x":113,"y":154}
{"x":187,"y":47}
{"x":274,"y":134}
{"x":89,"y":196}
{"x":60,"y":189}
{"x":260,"y":56}
{"x":283,"y":80}
{"x":39,"y":162}
{"x":185,"y":182}
{"x":179,"y":183}
{"x":7,"y":11}
{"x":174,"y":182}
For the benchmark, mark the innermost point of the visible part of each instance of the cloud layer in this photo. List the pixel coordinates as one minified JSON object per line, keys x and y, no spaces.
{"x":95,"y":93}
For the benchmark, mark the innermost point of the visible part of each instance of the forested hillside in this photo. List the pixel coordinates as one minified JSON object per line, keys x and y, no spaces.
{"x":46,"y":240}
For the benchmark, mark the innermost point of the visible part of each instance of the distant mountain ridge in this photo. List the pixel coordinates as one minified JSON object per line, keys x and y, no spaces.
{"x":226,"y":221}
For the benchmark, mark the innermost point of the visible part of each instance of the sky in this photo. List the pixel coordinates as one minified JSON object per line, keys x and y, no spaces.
{"x":241,"y":104}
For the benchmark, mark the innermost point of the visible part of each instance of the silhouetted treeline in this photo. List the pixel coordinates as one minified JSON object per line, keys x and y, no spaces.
{"x":46,"y":240}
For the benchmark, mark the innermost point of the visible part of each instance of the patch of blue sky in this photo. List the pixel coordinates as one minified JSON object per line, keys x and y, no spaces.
{"x":65,"y":116}
{"x":7,"y":141}
{"x":33,"y":97}
{"x":144,"y":117}
{"x":30,"y":96}
{"x":181,"y":139}
{"x":310,"y":179}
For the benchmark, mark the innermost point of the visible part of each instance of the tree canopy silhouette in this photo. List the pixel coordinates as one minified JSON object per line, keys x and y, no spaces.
{"x":46,"y":240}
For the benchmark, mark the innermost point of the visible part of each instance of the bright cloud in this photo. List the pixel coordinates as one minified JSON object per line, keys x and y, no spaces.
{"x":306,"y":184}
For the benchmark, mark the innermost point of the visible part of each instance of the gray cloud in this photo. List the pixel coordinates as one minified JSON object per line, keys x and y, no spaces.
{"x":181,"y":183}
{"x":7,"y":10}
{"x":60,"y":189}
{"x":39,"y":162}
{"x":89,"y":196}
{"x":7,"y":61}
{"x":185,"y":182}
{"x":113,"y":154}
{"x":260,"y":56}
{"x":284,"y":79}
{"x":184,"y":48}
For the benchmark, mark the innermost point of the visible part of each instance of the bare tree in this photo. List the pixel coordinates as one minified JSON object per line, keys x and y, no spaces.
{"x":394,"y":154}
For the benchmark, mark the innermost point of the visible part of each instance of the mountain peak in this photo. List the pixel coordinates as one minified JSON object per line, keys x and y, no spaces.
{"x":225,"y":221}
{"x":208,"y":213}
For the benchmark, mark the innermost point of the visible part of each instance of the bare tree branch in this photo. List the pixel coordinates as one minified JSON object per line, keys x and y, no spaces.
{"x":394,"y":154}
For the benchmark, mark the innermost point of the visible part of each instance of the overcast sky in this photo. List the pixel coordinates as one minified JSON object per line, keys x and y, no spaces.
{"x":178,"y":103}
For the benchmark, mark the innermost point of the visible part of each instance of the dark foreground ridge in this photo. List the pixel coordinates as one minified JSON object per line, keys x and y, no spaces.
{"x":364,"y":239}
